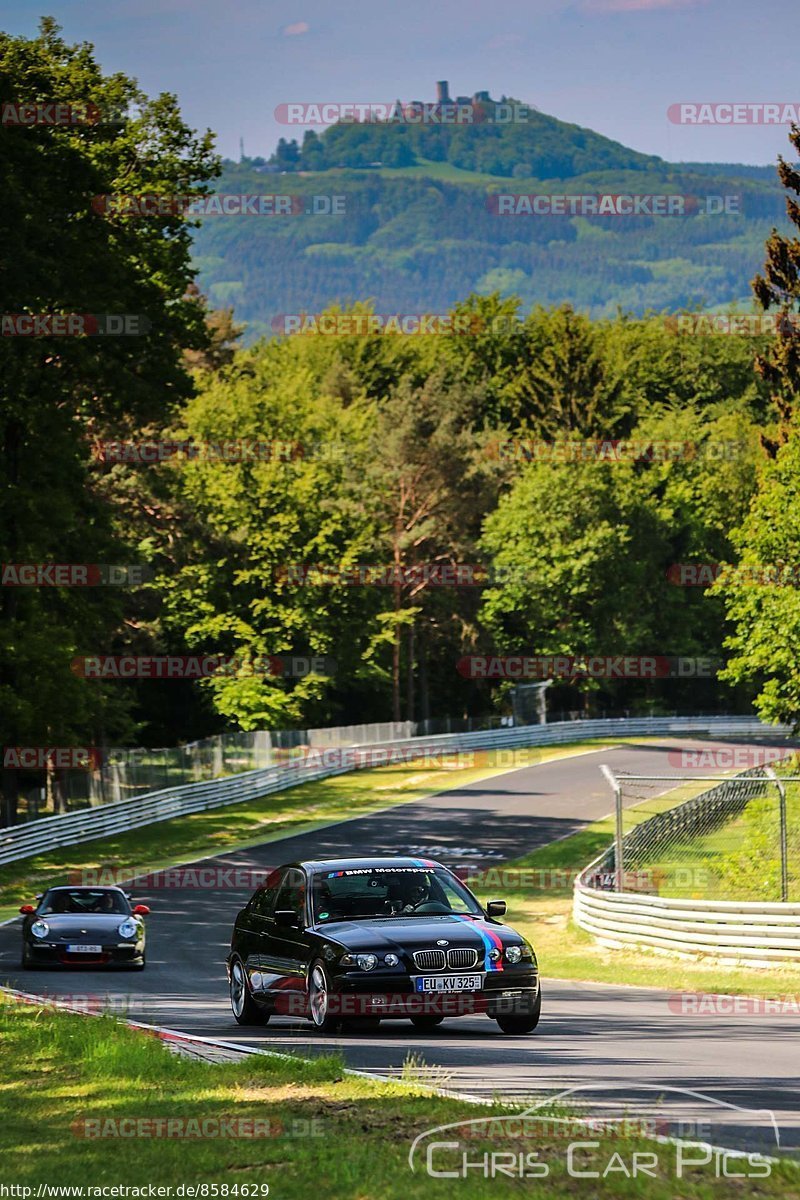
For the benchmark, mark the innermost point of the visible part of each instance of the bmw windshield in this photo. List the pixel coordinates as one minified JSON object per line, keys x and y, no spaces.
{"x":365,"y":892}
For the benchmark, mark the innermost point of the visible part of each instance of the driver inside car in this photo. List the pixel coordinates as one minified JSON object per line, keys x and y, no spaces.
{"x":406,"y":895}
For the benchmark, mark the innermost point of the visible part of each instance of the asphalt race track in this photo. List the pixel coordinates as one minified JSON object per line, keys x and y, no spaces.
{"x":613,"y":1038}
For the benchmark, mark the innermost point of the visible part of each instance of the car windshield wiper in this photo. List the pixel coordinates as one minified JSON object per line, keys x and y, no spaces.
{"x":353,"y":917}
{"x":448,"y":912}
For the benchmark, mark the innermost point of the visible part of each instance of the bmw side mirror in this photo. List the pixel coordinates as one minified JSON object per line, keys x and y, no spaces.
{"x":496,"y":908}
{"x":141,"y":910}
{"x":27,"y":908}
{"x":285,"y":918}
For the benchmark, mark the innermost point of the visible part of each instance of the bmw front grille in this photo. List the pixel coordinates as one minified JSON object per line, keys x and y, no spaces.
{"x":429,"y":960}
{"x":458,"y":959}
{"x":462,"y":960}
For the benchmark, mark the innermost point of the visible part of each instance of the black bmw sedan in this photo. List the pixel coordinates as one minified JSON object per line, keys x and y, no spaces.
{"x":374,"y":938}
{"x":83,"y":926}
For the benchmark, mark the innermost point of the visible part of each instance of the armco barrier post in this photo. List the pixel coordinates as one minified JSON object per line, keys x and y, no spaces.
{"x":784,"y":842}
{"x":618,"y":833}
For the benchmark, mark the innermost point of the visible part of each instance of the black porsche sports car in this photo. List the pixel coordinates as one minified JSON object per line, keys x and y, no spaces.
{"x":375,"y":938}
{"x":83,"y":926}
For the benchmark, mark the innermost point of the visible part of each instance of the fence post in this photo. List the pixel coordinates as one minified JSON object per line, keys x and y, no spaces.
{"x":618,"y":848}
{"x":768,"y":771}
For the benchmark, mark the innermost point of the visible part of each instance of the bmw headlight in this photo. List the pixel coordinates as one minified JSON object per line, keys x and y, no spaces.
{"x":40,"y":929}
{"x":391,"y":960}
{"x":128,"y":930}
{"x":523,"y":953}
{"x":365,"y":962}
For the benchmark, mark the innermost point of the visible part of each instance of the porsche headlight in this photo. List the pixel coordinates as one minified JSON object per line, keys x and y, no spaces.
{"x":40,"y":929}
{"x":128,"y":930}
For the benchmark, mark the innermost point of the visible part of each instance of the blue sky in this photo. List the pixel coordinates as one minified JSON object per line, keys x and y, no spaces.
{"x":612,"y":65}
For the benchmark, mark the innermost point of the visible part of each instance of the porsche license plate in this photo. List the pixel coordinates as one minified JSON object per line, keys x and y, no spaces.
{"x":84,"y":949}
{"x":449,"y":983}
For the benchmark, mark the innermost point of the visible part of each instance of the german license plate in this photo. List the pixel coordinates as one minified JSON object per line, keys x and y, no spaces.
{"x":449,"y":983}
{"x":84,"y":949}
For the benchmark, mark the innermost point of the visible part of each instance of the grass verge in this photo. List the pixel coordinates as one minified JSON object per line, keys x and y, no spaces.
{"x":251,"y":823}
{"x":64,"y":1076}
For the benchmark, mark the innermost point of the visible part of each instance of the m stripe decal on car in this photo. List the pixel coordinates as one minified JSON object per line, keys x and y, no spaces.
{"x":491,"y":941}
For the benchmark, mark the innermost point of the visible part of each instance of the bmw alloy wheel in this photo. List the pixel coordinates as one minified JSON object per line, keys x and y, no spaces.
{"x":319,"y":1001}
{"x":237,"y":989}
{"x":243,"y":1006}
{"x":319,"y":996}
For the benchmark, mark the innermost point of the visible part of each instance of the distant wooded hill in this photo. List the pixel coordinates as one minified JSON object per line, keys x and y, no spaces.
{"x":419,"y":231}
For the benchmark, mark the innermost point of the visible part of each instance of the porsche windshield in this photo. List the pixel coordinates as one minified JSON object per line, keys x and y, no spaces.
{"x":83,"y":900}
{"x":389,"y":892}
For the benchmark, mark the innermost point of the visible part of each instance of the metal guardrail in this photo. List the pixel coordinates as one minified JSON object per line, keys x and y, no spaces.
{"x":123,"y":773}
{"x":68,"y":829}
{"x":746,"y":932}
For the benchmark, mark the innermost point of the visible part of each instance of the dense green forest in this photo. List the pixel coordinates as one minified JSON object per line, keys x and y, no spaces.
{"x":387,"y":451}
{"x":412,"y":243}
